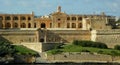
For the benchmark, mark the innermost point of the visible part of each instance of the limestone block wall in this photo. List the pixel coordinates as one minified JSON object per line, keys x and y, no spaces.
{"x":17,"y":36}
{"x":110,"y":37}
{"x":67,"y":35}
{"x":81,"y":57}
{"x":38,"y":46}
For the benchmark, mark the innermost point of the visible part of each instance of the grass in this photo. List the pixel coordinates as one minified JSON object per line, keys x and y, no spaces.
{"x":75,"y":48}
{"x":23,"y":50}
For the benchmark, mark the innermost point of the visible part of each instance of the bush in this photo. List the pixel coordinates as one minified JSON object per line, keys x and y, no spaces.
{"x":90,"y":44}
{"x":117,"y":47}
{"x":84,"y":50}
{"x":56,"y":51}
{"x":100,"y":52}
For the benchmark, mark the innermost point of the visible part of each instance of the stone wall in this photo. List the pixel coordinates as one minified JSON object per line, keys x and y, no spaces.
{"x":81,"y":57}
{"x":66,"y":36}
{"x":110,"y":37}
{"x":39,"y":47}
{"x":17,"y":36}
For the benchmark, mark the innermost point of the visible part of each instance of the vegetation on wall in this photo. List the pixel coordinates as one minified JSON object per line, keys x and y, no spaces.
{"x":90,"y":44}
{"x":117,"y":47}
{"x":7,"y":49}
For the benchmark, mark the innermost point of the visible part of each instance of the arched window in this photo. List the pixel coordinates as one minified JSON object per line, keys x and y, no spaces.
{"x":29,"y":25}
{"x":79,"y":25}
{"x":7,"y":18}
{"x":1,"y":18}
{"x":68,"y":18}
{"x":43,"y":25}
{"x":15,"y":18}
{"x":73,"y":25}
{"x":22,"y":18}
{"x":73,"y":18}
{"x":8,"y":25}
{"x":80,"y":18}
{"x":34,"y":25}
{"x":68,"y":25}
{"x":29,"y":18}
{"x":23,"y":25}
{"x":15,"y":25}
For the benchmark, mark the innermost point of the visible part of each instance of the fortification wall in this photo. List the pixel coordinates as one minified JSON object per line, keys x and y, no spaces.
{"x":67,"y":35}
{"x":17,"y":36}
{"x":110,"y":37}
{"x":81,"y":57}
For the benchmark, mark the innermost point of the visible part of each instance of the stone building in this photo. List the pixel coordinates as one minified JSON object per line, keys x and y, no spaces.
{"x":58,"y":27}
{"x":58,"y":20}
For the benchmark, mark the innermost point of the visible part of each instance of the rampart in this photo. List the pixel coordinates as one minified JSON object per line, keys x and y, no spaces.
{"x":81,"y":57}
{"x":110,"y":37}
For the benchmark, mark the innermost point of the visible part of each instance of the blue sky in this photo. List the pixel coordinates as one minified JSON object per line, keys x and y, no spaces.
{"x":45,"y":7}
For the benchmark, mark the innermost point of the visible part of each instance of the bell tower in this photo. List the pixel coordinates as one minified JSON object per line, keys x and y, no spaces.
{"x":59,"y":9}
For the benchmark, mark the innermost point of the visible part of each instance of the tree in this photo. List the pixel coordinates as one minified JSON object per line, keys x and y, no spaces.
{"x":5,"y":48}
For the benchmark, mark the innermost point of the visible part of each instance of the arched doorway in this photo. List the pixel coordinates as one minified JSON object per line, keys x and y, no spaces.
{"x":29,"y":25}
{"x":8,"y":25}
{"x":23,"y":25}
{"x":43,"y":25}
{"x":15,"y":25}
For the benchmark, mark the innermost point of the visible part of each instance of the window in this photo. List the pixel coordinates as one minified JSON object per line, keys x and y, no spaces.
{"x":15,"y":25}
{"x":23,"y":25}
{"x":1,"y":18}
{"x":59,"y":19}
{"x":73,"y":18}
{"x":15,"y":18}
{"x":34,"y":25}
{"x":8,"y":25}
{"x":29,"y":18}
{"x":22,"y":18}
{"x":68,"y":18}
{"x":68,"y":25}
{"x":80,"y":18}
{"x":80,"y":25}
{"x":29,"y":25}
{"x":7,"y":18}
{"x":73,"y":25}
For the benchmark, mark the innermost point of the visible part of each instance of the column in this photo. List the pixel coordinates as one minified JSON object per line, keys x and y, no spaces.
{"x":11,"y":21}
{"x":3,"y":21}
{"x":19,"y":22}
{"x":26,"y":21}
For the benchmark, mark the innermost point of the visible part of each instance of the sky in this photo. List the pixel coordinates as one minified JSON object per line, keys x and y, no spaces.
{"x":46,"y":7}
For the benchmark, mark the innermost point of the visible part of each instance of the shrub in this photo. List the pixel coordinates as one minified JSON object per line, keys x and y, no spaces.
{"x":100,"y":52}
{"x":84,"y":50}
{"x":90,"y":44}
{"x":117,"y":47}
{"x":56,"y":51}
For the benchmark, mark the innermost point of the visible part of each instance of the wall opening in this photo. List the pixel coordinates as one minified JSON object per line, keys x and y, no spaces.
{"x":29,"y":25}
{"x":41,"y":40}
{"x":43,"y":25}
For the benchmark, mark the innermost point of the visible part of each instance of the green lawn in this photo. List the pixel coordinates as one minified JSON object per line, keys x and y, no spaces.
{"x":23,"y":50}
{"x":75,"y":48}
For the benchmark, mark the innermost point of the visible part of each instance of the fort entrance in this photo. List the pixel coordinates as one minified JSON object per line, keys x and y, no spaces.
{"x":43,"y":25}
